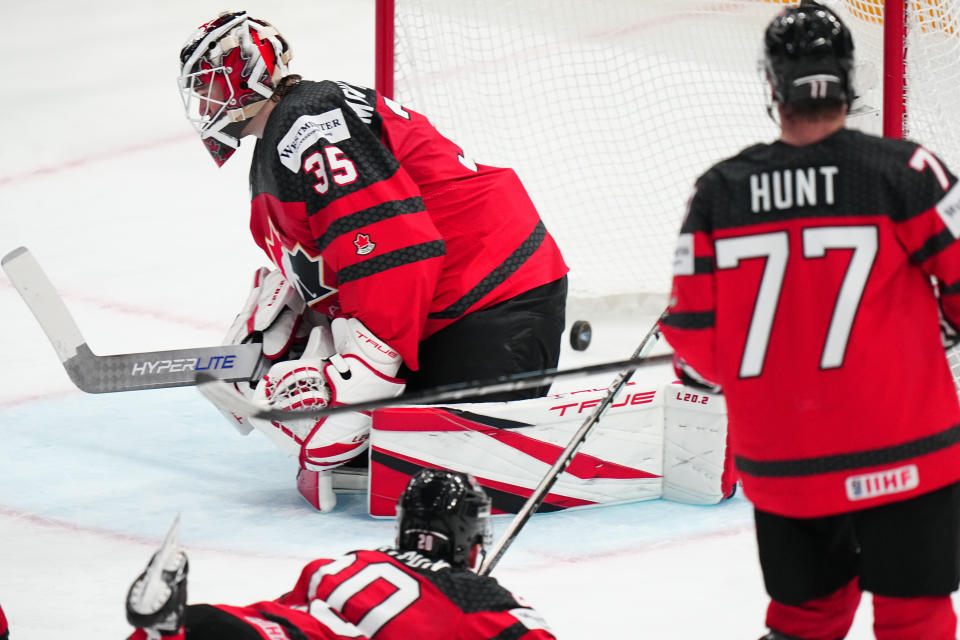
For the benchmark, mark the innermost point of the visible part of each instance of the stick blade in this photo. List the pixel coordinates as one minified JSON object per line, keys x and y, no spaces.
{"x":44,"y":302}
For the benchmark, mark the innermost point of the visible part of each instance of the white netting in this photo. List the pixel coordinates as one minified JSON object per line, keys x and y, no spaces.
{"x":610,"y":109}
{"x":933,"y":78}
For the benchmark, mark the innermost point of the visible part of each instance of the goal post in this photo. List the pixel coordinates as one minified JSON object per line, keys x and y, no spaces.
{"x":894,"y":67}
{"x":610,"y":109}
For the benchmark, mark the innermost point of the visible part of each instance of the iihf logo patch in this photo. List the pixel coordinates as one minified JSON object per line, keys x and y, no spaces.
{"x":881,"y":483}
{"x":363,"y":244}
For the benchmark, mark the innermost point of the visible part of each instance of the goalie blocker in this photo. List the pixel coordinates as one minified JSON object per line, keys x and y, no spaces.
{"x":667,"y":442}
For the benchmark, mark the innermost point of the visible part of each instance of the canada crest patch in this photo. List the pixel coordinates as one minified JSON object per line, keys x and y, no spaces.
{"x":363,"y":244}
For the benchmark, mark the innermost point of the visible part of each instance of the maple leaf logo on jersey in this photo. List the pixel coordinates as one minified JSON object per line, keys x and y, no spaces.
{"x":363,"y":244}
{"x":303,"y":271}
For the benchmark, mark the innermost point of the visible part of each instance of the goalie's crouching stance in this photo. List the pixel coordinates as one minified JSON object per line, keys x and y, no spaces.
{"x":426,"y":586}
{"x":435,"y":263}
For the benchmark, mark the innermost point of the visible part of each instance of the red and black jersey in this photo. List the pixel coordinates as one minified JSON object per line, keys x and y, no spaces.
{"x":377,"y":595}
{"x":802,"y":286}
{"x":371,"y":213}
{"x":390,"y":594}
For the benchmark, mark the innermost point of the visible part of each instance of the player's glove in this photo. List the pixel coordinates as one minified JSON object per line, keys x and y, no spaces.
{"x":691,"y":378}
{"x":275,"y":316}
{"x":158,"y":609}
{"x":344,"y":365}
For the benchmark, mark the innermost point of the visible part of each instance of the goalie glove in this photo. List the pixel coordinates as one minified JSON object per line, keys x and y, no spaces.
{"x":274,"y":316}
{"x":271,"y":315}
{"x":345,"y":364}
{"x":363,"y":368}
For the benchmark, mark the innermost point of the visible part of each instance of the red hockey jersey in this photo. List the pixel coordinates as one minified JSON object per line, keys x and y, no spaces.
{"x":396,"y":595}
{"x":371,"y":213}
{"x":377,"y":595}
{"x":802,"y":286}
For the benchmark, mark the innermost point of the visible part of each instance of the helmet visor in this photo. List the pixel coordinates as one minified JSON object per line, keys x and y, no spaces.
{"x":207,"y":95}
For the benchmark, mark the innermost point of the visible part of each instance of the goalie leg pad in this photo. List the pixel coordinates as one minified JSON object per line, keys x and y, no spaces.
{"x":667,"y":442}
{"x":335,"y":440}
{"x":316,"y":487}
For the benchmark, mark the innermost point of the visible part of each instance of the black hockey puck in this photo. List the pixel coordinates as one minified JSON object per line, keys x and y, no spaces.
{"x":580,"y":335}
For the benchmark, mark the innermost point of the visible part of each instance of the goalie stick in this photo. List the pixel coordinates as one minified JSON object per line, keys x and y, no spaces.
{"x":222,"y":396}
{"x":540,"y":493}
{"x":123,"y":372}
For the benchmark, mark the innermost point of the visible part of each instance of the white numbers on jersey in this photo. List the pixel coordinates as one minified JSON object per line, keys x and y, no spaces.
{"x":396,"y":107}
{"x":775,"y":248}
{"x":342,"y":170}
{"x":407,"y":590}
{"x":333,"y":621}
{"x":467,"y":161}
{"x":923,"y":159}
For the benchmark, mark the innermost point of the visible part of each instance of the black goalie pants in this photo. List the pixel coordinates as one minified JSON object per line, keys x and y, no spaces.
{"x":518,"y":335}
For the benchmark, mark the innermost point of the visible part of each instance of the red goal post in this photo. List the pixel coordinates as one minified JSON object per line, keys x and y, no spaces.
{"x":610,"y":109}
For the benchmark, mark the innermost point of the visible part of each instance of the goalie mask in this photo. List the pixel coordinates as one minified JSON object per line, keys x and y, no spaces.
{"x":808,"y":55}
{"x":227,"y":69}
{"x":442,"y":515}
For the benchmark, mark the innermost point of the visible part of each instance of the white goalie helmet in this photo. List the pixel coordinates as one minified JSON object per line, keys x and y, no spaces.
{"x":228,"y":67}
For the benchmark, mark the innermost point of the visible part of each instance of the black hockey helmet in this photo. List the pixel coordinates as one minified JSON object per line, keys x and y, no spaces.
{"x":808,"y":55}
{"x":443,"y":514}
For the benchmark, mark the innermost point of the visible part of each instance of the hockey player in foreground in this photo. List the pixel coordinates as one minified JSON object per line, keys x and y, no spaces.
{"x":425,"y":588}
{"x":802,"y":287}
{"x":433,"y":269}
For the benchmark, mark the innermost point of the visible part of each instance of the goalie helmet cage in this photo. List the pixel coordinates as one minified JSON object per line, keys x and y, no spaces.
{"x":610,"y":109}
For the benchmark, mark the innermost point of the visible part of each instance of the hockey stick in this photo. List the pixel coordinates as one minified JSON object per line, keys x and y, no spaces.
{"x":223,"y":397}
{"x":540,"y":493}
{"x":122,"y":372}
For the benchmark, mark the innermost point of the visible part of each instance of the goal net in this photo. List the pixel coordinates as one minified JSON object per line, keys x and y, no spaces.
{"x":610,"y":109}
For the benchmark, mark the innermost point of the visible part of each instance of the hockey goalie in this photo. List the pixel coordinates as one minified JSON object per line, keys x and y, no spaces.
{"x":664,"y":440}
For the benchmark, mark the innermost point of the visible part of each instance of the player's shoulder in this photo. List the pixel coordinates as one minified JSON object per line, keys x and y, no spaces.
{"x":469,"y":591}
{"x":732,"y":167}
{"x":874,"y":151}
{"x":310,"y":97}
{"x":900,"y":164}
{"x":313,"y":110}
{"x":855,"y":138}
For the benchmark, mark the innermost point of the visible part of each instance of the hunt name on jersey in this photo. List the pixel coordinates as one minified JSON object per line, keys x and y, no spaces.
{"x":787,"y":188}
